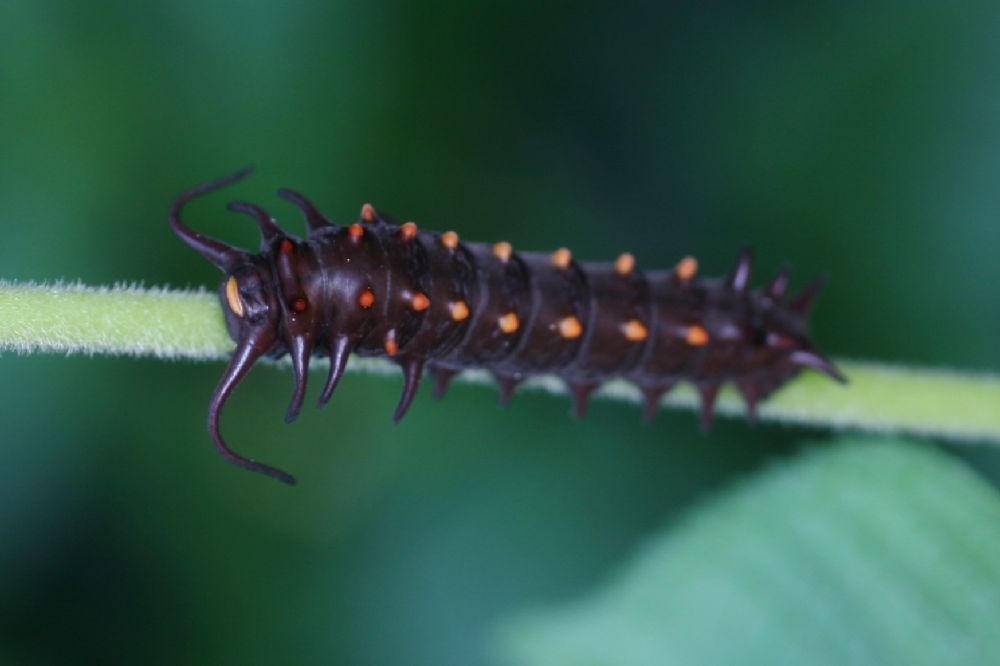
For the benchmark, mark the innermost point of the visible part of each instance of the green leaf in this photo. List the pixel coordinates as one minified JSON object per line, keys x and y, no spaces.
{"x":867,"y":552}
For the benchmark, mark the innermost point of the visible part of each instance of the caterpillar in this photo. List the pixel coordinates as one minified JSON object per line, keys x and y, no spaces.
{"x":431,"y":302}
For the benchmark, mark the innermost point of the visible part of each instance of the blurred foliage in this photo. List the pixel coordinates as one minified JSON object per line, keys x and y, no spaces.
{"x":849,"y":138}
{"x":860,"y":552}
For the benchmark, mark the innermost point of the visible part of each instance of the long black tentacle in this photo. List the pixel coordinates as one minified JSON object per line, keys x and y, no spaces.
{"x":223,"y":255}
{"x":246,"y":354}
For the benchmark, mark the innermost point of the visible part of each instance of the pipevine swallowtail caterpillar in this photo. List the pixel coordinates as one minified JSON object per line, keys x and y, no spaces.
{"x":431,"y":302}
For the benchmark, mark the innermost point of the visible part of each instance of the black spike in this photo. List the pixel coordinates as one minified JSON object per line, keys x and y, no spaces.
{"x":779,"y":285}
{"x":413,"y":370}
{"x":805,"y":299}
{"x":300,"y":350}
{"x":652,"y":397}
{"x":315,"y":219}
{"x":508,"y":385}
{"x":269,"y":229}
{"x":708,"y":392}
{"x":581,"y":393}
{"x":809,"y":358}
{"x":750,"y":397}
{"x":741,"y":274}
{"x":340,"y":350}
{"x":442,"y":380}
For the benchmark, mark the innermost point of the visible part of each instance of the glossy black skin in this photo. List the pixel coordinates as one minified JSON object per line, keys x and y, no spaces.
{"x":302,"y":297}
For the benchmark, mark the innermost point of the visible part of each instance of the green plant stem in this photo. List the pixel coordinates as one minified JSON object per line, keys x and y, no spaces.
{"x":170,"y":324}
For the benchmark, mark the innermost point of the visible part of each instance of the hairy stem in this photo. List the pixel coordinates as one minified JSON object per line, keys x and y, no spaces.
{"x":72,"y":318}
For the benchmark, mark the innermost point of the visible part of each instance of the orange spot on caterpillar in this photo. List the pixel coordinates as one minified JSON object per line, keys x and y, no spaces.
{"x":368,"y":213}
{"x":366,"y":299}
{"x":509,"y":322}
{"x":356,"y":231}
{"x":459,"y":310}
{"x":420,"y":302}
{"x":561,"y":258}
{"x":233,"y":297}
{"x":299,"y":305}
{"x":569,"y":328}
{"x":391,"y":346}
{"x":697,"y":336}
{"x":449,"y":239}
{"x":408,"y":230}
{"x":286,"y":246}
{"x":686,"y":269}
{"x":624,"y":264}
{"x":634,"y":330}
{"x":502,"y":251}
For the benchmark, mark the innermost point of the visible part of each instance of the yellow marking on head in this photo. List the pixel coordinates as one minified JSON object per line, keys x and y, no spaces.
{"x":624,"y":264}
{"x":233,"y":296}
{"x":561,"y":258}
{"x":366,"y":299}
{"x":420,"y":302}
{"x":368,"y":213}
{"x":686,"y":269}
{"x":569,"y":327}
{"x":409,"y":230}
{"x":502,"y":251}
{"x":634,"y":330}
{"x":449,"y":239}
{"x":697,"y":336}
{"x":509,"y":322}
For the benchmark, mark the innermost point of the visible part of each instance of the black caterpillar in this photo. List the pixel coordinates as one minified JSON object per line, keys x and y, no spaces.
{"x":427,"y":300}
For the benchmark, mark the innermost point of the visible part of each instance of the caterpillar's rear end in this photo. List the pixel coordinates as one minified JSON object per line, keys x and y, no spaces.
{"x":431,"y":302}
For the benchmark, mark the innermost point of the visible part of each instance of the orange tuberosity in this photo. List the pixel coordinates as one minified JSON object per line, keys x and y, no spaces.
{"x":356,"y":231}
{"x":286,"y":246}
{"x":391,"y":346}
{"x":420,"y":302}
{"x":366,"y":299}
{"x":368,"y":213}
{"x":569,"y":328}
{"x":561,"y":258}
{"x":697,"y":336}
{"x":686,"y":269}
{"x":634,"y":330}
{"x":502,"y":251}
{"x":624,"y":264}
{"x":459,"y":310}
{"x":409,"y":231}
{"x":509,"y":322}
{"x":449,"y":239}
{"x":299,"y":305}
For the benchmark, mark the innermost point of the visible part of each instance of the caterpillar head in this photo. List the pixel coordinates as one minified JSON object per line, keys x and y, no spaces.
{"x":249,"y":301}
{"x":253,"y":314}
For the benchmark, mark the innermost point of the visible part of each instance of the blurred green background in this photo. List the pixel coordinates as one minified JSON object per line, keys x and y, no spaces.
{"x":857,"y":139}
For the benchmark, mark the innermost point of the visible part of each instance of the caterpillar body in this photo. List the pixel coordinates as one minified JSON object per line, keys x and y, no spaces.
{"x":433,"y":303}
